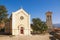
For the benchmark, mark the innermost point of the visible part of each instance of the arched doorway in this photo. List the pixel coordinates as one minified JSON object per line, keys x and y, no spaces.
{"x":22,"y":30}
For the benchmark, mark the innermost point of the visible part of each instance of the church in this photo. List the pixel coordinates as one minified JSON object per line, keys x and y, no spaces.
{"x":19,"y":23}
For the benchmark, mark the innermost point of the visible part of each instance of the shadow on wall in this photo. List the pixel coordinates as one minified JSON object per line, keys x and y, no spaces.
{"x":2,"y":32}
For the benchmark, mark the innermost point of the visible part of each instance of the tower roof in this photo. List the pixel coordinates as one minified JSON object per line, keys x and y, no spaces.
{"x":48,"y":13}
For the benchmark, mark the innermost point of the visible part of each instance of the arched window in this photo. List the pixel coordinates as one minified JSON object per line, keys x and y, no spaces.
{"x":47,"y":17}
{"x":50,"y":17}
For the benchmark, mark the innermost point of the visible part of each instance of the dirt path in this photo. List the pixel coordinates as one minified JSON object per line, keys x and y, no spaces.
{"x":34,"y":37}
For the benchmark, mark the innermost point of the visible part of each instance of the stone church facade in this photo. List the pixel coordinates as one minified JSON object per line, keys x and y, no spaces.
{"x":19,"y":23}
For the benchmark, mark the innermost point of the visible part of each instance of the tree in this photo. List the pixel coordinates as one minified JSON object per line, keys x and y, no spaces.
{"x":44,"y":27}
{"x":38,"y":25}
{"x":3,"y":15}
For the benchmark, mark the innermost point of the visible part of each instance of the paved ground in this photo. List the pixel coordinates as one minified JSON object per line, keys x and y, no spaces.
{"x":34,"y":37}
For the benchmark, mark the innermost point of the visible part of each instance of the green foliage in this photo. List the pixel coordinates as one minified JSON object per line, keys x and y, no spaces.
{"x":38,"y":25}
{"x":3,"y":14}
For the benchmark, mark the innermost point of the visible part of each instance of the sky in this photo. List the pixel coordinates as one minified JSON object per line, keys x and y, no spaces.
{"x":36,"y":8}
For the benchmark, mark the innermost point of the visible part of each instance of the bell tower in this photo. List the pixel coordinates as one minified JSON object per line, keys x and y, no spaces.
{"x":49,"y":19}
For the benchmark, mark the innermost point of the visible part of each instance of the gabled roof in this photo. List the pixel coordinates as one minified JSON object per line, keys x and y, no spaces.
{"x":21,"y":10}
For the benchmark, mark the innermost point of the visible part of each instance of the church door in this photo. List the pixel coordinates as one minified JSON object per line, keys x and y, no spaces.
{"x":22,"y":30}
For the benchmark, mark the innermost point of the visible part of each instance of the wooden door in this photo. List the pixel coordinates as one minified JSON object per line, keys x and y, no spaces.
{"x":22,"y":30}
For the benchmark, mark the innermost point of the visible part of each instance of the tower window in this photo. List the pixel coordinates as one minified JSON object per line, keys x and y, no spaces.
{"x":47,"y":18}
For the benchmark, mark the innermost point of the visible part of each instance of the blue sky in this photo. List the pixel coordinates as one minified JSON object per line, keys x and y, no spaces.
{"x":36,"y":8}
